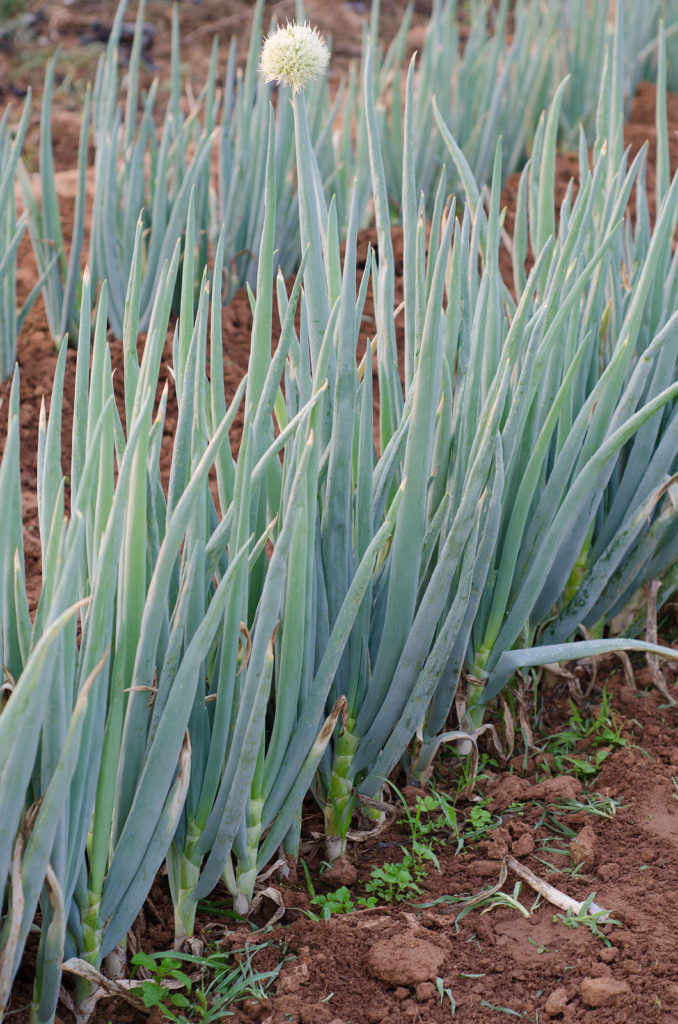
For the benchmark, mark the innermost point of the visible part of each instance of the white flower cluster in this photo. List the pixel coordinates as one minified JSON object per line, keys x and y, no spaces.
{"x":294,"y":55}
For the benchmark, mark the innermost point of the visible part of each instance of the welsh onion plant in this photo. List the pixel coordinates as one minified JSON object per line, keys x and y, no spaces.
{"x":205,"y":672}
{"x":11,"y":233}
{"x":356,"y":495}
{"x":641,"y":38}
{"x":499,"y":83}
{"x":589,"y":433}
{"x":632,"y":539}
{"x":478,"y":372}
{"x":239,"y":791}
{"x":60,"y":275}
{"x":257,"y":766}
{"x":168,"y":601}
{"x":136,"y":170}
{"x":217,"y":151}
{"x":98,"y":786}
{"x":138,"y":174}
{"x":484,"y":87}
{"x":87,"y":547}
{"x":585,"y":28}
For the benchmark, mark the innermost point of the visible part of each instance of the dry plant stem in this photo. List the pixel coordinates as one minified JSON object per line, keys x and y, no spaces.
{"x":549,"y":892}
{"x":652,"y":659}
{"x":628,"y":671}
{"x":116,"y":963}
{"x":17,"y":913}
{"x":594,"y":662}
{"x":103,"y":988}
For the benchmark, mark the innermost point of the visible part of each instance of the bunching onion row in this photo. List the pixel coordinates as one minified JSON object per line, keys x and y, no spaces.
{"x":307,"y":614}
{"x":214,"y":144}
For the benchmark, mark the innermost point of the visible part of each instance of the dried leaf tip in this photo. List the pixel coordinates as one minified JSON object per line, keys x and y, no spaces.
{"x":294,"y":55}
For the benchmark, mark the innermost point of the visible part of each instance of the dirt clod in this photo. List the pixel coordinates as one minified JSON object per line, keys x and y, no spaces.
{"x":404,"y":960}
{"x":556,"y":1003}
{"x":342,"y":872}
{"x":424,"y":991}
{"x":485,"y":932}
{"x":597,"y":992}
{"x":583,"y":848}
{"x":600,"y":970}
{"x":314,"y":1013}
{"x":290,"y":983}
{"x":608,"y":872}
{"x":563,"y":787}
{"x":524,"y":846}
{"x":497,"y":849}
{"x":411,"y":793}
{"x":255,"y":1009}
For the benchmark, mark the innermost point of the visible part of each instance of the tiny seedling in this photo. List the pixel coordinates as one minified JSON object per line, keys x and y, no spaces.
{"x":422,"y":848}
{"x":500,"y":1009}
{"x":478,"y":823}
{"x":479,"y":818}
{"x":592,"y":803}
{"x":433,"y":814}
{"x":539,"y":948}
{"x":443,"y":991}
{"x":338,"y":902}
{"x":307,"y":876}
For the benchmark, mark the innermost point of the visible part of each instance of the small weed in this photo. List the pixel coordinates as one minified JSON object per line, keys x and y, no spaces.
{"x":154,"y":990}
{"x":494,"y":900}
{"x":592,"y":803}
{"x":218,"y":980}
{"x":421,"y":826}
{"x":602,"y":734}
{"x":307,"y":875}
{"x":592,"y":921}
{"x":394,"y":882}
{"x":433,"y":814}
{"x":479,"y":818}
{"x":340,"y":902}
